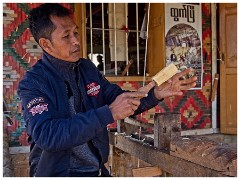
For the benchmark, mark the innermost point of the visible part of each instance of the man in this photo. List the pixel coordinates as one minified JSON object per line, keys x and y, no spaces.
{"x":67,"y":103}
{"x":100,"y":61}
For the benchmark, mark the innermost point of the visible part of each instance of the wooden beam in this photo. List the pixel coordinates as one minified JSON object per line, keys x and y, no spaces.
{"x":137,"y":123}
{"x":156,"y":39}
{"x":206,"y":152}
{"x":147,"y":172}
{"x":176,"y":166}
{"x":80,"y":20}
{"x":199,"y":132}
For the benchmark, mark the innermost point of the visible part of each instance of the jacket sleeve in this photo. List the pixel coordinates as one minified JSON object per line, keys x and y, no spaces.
{"x":147,"y":102}
{"x":111,"y":91}
{"x":47,"y":127}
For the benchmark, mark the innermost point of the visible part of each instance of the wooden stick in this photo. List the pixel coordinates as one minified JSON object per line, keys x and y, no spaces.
{"x":160,"y":78}
{"x":127,"y":67}
{"x":214,"y":88}
{"x":165,"y":74}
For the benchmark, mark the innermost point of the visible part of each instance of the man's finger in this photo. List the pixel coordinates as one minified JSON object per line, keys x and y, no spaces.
{"x":183,"y":73}
{"x":146,"y":88}
{"x":190,"y":80}
{"x":134,"y":107}
{"x":134,"y":101}
{"x":188,"y":86}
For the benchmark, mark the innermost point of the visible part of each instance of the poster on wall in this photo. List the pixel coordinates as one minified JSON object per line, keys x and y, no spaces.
{"x":183,"y":37}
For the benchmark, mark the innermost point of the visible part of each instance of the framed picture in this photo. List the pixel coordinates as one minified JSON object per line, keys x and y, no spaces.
{"x":183,"y":38}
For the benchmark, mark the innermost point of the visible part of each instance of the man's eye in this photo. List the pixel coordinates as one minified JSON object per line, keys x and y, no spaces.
{"x":66,"y":36}
{"x":76,"y":32}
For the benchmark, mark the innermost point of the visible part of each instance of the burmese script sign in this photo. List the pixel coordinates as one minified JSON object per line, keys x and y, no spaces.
{"x":183,"y":37}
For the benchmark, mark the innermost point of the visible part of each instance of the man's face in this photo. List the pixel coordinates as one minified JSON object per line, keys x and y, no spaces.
{"x":65,"y":39}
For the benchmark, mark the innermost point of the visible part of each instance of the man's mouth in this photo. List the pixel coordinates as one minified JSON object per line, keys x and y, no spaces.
{"x":76,"y":50}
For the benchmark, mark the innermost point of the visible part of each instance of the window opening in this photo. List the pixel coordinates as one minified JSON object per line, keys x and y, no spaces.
{"x":114,"y":31}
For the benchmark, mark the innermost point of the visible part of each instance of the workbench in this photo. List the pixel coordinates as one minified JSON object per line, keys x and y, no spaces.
{"x":188,"y":156}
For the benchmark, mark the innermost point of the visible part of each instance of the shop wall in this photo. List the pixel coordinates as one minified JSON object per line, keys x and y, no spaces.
{"x":20,"y":52}
{"x":194,"y":105}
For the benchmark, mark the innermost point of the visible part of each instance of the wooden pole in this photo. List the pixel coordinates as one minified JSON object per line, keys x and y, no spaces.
{"x":80,"y":20}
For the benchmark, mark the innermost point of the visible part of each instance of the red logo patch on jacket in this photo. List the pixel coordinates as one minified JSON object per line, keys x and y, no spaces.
{"x":93,"y":89}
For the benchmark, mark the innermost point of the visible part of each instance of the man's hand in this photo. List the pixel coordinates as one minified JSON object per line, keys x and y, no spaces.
{"x":175,"y":85}
{"x":125,"y":104}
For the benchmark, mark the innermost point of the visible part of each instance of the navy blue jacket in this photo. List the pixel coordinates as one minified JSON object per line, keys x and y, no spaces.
{"x":52,"y":131}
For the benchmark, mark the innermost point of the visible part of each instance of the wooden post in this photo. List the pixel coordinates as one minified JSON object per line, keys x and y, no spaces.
{"x":214,"y":88}
{"x":166,"y":127}
{"x":80,"y":20}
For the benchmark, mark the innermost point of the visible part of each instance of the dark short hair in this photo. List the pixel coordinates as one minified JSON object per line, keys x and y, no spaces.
{"x":40,"y":23}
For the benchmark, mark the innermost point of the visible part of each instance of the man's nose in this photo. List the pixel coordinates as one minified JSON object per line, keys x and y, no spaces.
{"x":75,"y":40}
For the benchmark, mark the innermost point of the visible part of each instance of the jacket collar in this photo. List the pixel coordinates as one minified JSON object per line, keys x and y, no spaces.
{"x":59,"y":66}
{"x":62,"y":64}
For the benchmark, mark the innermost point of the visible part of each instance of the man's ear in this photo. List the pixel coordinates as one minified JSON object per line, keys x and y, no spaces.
{"x":46,"y":45}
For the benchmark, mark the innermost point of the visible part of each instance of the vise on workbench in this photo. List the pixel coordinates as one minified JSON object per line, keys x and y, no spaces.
{"x":166,"y":127}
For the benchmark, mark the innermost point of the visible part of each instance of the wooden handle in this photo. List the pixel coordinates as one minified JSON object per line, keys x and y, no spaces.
{"x":165,"y":74}
{"x":214,"y":88}
{"x":127,"y":67}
